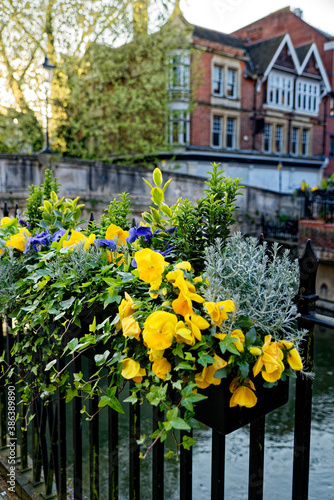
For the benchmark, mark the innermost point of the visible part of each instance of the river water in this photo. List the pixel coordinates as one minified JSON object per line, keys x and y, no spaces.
{"x":278,"y":447}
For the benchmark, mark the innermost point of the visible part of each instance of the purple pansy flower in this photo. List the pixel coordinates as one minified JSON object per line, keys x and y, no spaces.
{"x":136,"y":232}
{"x":103,"y":243}
{"x":24,"y":223}
{"x":57,"y":235}
{"x":37,"y":241}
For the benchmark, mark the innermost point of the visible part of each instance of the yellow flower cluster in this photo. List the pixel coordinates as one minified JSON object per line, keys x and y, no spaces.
{"x":18,"y":240}
{"x":270,"y":359}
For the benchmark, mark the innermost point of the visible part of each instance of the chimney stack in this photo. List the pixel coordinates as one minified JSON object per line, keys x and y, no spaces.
{"x":298,"y":12}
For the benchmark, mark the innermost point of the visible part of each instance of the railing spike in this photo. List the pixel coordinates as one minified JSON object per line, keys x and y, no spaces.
{"x":5,"y":209}
{"x":308,"y":266}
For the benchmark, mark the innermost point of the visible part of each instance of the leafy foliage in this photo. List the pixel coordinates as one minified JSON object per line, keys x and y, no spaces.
{"x":39,"y":194}
{"x":118,"y":212}
{"x":198,"y":225}
{"x":104,"y":99}
{"x":262,"y":283}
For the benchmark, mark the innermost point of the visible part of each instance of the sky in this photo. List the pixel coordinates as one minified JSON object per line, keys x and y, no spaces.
{"x":228,"y":15}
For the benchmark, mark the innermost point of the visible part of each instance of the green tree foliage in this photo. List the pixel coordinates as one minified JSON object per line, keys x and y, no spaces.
{"x":90,"y":44}
{"x":117,"y":99}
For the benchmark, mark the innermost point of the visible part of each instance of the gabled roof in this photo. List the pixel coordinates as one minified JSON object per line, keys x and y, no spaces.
{"x":217,"y":37}
{"x":262,"y":53}
{"x":302,"y":51}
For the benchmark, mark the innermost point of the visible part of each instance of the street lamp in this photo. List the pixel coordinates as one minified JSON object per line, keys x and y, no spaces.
{"x":49,"y":69}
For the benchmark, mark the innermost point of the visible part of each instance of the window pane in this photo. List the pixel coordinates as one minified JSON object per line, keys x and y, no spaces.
{"x":267,"y":138}
{"x":278,"y":138}
{"x":331,"y":146}
{"x":295,"y":141}
{"x":216,"y":131}
{"x":231,"y":83}
{"x":230,"y":133}
{"x":217,"y":81}
{"x":305,"y":142}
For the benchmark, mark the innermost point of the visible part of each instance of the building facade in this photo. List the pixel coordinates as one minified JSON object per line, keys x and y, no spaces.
{"x":263,"y":103}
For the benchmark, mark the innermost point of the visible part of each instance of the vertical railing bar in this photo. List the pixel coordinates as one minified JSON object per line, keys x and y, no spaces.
{"x":134,"y":418}
{"x":23,"y":431}
{"x":53,"y":422}
{"x":42,"y":443}
{"x":308,"y":265}
{"x":53,"y":455}
{"x":113,"y":452}
{"x":303,"y":417}
{"x":217,"y":466}
{"x":37,"y":459}
{"x":158,"y":459}
{"x":93,"y":442}
{"x":77,"y":438}
{"x":186,"y":470}
{"x":256,"y":459}
{"x":3,"y":399}
{"x":61,"y":433}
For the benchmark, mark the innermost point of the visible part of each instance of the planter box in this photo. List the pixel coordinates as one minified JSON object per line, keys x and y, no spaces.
{"x":216,"y":413}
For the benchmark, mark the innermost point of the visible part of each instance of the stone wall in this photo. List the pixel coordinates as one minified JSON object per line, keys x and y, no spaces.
{"x":97,"y":183}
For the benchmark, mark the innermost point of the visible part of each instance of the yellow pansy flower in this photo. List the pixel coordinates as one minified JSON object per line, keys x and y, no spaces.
{"x":183,"y":265}
{"x":116,"y":233}
{"x":159,"y":330}
{"x":239,"y":344}
{"x":242,"y":395}
{"x":89,"y":241}
{"x":75,"y":238}
{"x":183,"y":334}
{"x":269,"y":363}
{"x":126,"y":308}
{"x":207,"y":376}
{"x":132,"y":370}
{"x":218,"y":311}
{"x":18,"y":240}
{"x":293,"y":356}
{"x":161,"y":367}
{"x":130,"y":327}
{"x":5,"y":221}
{"x":153,"y":355}
{"x":150,"y":265}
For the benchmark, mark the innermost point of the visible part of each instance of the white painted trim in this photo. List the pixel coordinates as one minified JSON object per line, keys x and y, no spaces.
{"x":329,"y":45}
{"x":314,"y":50}
{"x":286,"y":41}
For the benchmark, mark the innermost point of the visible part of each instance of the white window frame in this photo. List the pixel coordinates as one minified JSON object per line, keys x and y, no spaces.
{"x":179,"y":123}
{"x":305,"y":141}
{"x":280,"y":90}
{"x":267,"y":136}
{"x":295,"y":140}
{"x":230,"y":132}
{"x":307,"y":96}
{"x":216,"y":119}
{"x":231,"y":83}
{"x":217,"y":80}
{"x":179,"y":63}
{"x":278,"y":138}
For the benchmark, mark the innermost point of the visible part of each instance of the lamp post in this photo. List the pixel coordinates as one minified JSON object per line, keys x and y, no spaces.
{"x":49,"y":69}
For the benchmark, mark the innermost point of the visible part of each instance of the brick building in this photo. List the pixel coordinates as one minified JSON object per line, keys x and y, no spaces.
{"x":263,"y":99}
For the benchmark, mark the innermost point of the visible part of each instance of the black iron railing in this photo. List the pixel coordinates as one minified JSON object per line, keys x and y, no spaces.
{"x":319,"y":205}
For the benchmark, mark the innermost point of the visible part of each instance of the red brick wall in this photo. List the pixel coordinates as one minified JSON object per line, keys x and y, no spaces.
{"x":284,"y":21}
{"x":200,"y":126}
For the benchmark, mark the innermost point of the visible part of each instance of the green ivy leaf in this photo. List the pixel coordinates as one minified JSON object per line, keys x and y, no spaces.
{"x":100,"y":359}
{"x":112,"y":402}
